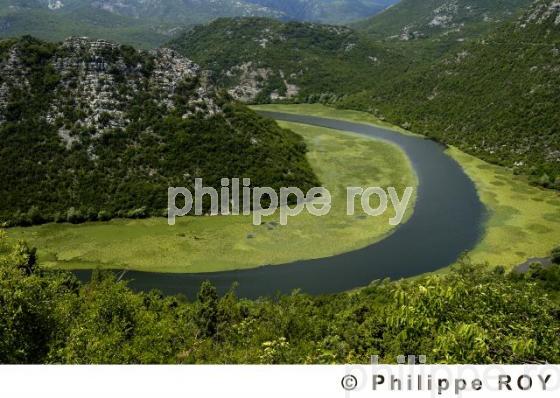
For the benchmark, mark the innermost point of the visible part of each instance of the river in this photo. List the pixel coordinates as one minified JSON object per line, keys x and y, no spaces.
{"x":447,"y":221}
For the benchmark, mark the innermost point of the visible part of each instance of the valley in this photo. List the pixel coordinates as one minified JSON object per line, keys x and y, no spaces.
{"x":521,"y":222}
{"x":217,"y":244}
{"x":105,"y":105}
{"x":486,"y":83}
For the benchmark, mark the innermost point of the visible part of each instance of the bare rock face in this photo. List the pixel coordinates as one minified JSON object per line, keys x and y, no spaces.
{"x":97,"y":81}
{"x":252,"y":81}
{"x":11,"y":72}
{"x":543,"y":11}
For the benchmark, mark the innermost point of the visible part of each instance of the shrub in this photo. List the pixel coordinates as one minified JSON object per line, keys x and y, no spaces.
{"x":75,"y":216}
{"x":91,"y":214}
{"x":35,"y":216}
{"x":556,"y":255}
{"x":59,"y":218}
{"x":138,"y":213}
{"x":104,"y":215}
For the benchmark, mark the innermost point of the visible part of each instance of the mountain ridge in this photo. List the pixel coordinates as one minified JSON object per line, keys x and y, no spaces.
{"x":454,"y":19}
{"x":150,"y":23}
{"x":261,"y":60}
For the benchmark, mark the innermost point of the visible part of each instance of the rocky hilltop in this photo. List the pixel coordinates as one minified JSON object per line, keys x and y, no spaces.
{"x":447,"y":20}
{"x":89,"y":126}
{"x":543,"y":12}
{"x":96,"y":80}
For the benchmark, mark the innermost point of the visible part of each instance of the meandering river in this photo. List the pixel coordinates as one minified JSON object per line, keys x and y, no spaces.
{"x":447,"y":221}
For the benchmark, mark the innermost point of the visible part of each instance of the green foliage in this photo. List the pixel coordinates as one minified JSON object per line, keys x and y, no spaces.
{"x":30,"y":299}
{"x":416,"y":19}
{"x":126,"y":172}
{"x":556,"y":255}
{"x":78,"y":21}
{"x":469,"y":315}
{"x":495,"y":98}
{"x":207,"y":312}
{"x":320,"y":59}
{"x":149,"y":24}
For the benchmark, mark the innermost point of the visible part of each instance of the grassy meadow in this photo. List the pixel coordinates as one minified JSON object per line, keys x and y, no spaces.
{"x":209,"y":244}
{"x":523,"y":222}
{"x":331,"y":113}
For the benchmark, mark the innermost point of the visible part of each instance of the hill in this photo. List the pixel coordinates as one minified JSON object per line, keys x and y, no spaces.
{"x":327,"y":11}
{"x":443,"y":19}
{"x":93,"y":129}
{"x":263,"y":60}
{"x":496,"y":97}
{"x":150,"y":23}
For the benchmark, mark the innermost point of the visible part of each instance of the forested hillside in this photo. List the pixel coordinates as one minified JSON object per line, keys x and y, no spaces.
{"x":48,"y":20}
{"x":440,"y":19}
{"x":470,"y":315}
{"x":90,"y":130}
{"x":262,"y":60}
{"x":496,"y":97}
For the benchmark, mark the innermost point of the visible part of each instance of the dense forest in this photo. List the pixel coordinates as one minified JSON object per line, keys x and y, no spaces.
{"x":469,"y":315}
{"x":496,"y":98}
{"x":440,"y":20}
{"x":483,"y":77}
{"x":265,"y":59}
{"x":91,"y":130}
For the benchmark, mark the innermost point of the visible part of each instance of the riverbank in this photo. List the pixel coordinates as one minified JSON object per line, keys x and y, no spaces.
{"x":212,"y":244}
{"x":523,"y":221}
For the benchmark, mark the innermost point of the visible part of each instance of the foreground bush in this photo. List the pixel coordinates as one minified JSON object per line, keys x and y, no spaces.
{"x":469,"y":315}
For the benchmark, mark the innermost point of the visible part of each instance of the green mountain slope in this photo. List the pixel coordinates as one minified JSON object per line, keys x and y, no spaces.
{"x":50,"y":317}
{"x":413,"y":19}
{"x":260,"y":59}
{"x":90,"y":126}
{"x":496,"y":97}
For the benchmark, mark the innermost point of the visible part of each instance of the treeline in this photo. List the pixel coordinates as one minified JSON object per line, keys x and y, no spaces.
{"x":470,"y":315}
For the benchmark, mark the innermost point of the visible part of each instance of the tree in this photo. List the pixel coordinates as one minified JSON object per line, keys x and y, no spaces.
{"x":207,"y":313}
{"x":556,"y":255}
{"x":28,"y":321}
